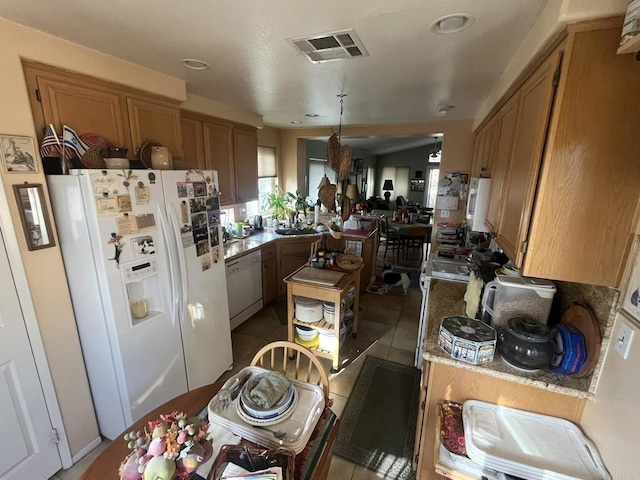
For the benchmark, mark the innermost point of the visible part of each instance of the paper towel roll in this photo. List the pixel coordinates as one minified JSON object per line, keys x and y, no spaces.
{"x":316,"y":214}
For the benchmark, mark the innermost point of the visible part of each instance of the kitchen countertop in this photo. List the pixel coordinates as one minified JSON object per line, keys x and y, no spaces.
{"x":237,"y":247}
{"x":447,"y":298}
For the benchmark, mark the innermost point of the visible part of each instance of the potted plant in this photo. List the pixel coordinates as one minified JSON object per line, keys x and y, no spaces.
{"x":278,"y":203}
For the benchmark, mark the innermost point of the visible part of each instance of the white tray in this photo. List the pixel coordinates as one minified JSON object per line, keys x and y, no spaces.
{"x":529,"y":445}
{"x":307,"y":412}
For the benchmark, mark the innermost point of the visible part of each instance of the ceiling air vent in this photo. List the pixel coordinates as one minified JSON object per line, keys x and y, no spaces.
{"x":330,"y":46}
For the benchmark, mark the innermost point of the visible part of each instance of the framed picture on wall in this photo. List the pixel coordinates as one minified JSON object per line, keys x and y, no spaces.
{"x":359,"y":165}
{"x":18,"y":154}
{"x":417,"y":185}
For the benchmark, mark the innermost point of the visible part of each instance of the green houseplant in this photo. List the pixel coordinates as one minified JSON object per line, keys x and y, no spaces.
{"x":278,"y":203}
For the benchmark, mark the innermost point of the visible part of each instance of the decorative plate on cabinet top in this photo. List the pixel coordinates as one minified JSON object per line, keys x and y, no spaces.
{"x":98,"y":145}
{"x":145,"y":152}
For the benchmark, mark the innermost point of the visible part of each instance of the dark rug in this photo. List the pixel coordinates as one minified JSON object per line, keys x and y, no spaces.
{"x":378,"y":425}
{"x":280,"y":306}
{"x":414,"y":274}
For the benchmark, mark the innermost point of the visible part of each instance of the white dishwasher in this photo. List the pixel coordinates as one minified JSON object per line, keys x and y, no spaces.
{"x":244,"y":287}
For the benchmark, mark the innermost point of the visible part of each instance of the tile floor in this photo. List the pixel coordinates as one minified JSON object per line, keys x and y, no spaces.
{"x":388,"y":329}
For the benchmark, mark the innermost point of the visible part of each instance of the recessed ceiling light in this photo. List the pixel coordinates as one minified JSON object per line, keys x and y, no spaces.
{"x":312,"y":115}
{"x":452,"y":23}
{"x":443,"y":109}
{"x":194,"y":64}
{"x":296,"y":122}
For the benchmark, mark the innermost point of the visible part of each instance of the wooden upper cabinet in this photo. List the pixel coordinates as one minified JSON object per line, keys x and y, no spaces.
{"x":245,"y":146}
{"x":479,"y":143}
{"x":192,"y":145}
{"x":83,"y":108}
{"x":522,"y":173}
{"x":586,"y":208}
{"x":151,"y":120}
{"x":218,"y":149}
{"x":505,"y":126}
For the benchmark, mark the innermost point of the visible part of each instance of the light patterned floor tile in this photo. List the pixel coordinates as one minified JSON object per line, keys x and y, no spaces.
{"x":75,"y":472}
{"x":382,"y":315}
{"x":409,"y":322}
{"x":342,"y":382}
{"x":259,"y":325}
{"x":405,"y":339}
{"x":243,"y":345}
{"x":362,"y":473}
{"x":339,"y":403}
{"x":340,"y":469}
{"x":402,"y":356}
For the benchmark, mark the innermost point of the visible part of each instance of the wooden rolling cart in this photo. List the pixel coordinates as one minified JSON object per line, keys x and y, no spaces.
{"x":314,"y":288}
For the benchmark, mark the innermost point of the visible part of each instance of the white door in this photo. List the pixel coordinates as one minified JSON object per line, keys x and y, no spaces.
{"x":27,"y":445}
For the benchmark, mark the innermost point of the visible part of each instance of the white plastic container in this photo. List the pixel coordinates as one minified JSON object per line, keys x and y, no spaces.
{"x":327,"y":338}
{"x":529,"y":445}
{"x":308,"y":309}
{"x":508,"y":297}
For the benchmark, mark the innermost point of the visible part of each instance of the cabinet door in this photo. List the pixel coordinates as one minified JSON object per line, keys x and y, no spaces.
{"x":155,"y":121}
{"x":218,"y":153}
{"x":287,"y":266}
{"x":522,"y":174}
{"x":245,"y":147}
{"x":84,"y":108}
{"x":479,"y":143}
{"x":192,"y":145}
{"x":490,"y":148}
{"x":505,"y":128}
{"x":269,"y":281}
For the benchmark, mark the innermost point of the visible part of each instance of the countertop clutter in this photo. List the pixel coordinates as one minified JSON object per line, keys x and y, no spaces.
{"x":446,"y":299}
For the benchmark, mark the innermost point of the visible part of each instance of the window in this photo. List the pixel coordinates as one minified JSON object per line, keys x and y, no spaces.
{"x":317,"y":169}
{"x":267,"y":177}
{"x":433,"y":173}
{"x":400,"y":178}
{"x":371,"y":186}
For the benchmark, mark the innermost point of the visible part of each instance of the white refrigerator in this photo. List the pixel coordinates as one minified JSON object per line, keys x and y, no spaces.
{"x":143,"y":255}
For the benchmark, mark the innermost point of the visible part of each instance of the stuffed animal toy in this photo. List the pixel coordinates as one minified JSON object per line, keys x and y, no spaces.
{"x":391,"y":279}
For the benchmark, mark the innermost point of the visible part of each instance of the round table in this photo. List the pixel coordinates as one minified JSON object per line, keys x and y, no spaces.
{"x":106,"y":465}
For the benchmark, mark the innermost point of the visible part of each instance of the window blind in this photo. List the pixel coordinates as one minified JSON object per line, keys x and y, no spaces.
{"x":267,"y":165}
{"x":400,"y":178}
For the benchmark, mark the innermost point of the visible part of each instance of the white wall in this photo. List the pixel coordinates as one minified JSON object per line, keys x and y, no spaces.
{"x":612,"y":419}
{"x":555,"y":15}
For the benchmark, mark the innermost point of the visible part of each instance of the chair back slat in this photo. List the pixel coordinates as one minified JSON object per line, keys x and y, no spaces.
{"x":288,"y":348}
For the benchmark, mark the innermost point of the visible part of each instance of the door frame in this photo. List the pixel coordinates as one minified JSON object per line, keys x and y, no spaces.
{"x":9,"y":235}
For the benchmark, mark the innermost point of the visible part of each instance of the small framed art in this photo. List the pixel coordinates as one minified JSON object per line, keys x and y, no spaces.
{"x":18,"y":154}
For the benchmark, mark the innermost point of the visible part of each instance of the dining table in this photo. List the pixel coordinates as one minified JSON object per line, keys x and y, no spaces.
{"x":311,"y":464}
{"x":406,"y":231}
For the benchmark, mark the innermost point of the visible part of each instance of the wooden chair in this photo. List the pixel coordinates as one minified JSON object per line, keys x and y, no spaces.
{"x":278,"y":356}
{"x":415,"y":238}
{"x":387,"y":237}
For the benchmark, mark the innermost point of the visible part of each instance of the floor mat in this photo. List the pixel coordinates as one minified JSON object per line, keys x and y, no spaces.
{"x":414,"y":274}
{"x":377,"y":427}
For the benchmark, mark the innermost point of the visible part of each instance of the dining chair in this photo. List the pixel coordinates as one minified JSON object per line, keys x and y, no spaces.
{"x":388,"y":237}
{"x":415,"y":238}
{"x":279,"y":356}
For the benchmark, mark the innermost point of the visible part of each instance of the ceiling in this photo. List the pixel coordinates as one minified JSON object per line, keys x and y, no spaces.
{"x":384,"y":145}
{"x":409,"y":70}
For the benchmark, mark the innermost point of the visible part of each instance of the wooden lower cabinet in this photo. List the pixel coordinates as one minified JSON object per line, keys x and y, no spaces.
{"x":292,"y":253}
{"x":269,"y":274}
{"x":444,"y":382}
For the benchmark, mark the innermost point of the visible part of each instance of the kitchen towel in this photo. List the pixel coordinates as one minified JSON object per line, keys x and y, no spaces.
{"x":472,"y":295}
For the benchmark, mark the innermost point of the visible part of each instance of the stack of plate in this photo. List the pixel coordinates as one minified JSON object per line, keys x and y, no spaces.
{"x":254,"y":414}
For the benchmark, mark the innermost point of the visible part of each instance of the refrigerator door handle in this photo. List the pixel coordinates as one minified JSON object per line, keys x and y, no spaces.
{"x":172,"y":276}
{"x":182,"y":261}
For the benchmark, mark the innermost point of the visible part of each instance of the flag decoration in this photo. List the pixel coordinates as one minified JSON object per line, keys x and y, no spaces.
{"x":73,"y":142}
{"x":51,"y":145}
